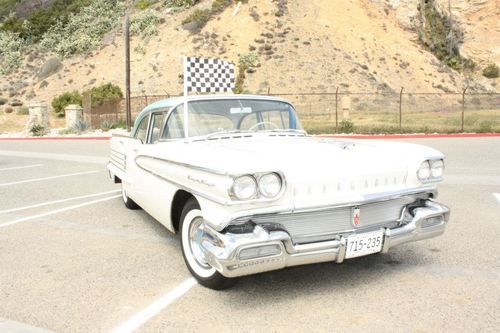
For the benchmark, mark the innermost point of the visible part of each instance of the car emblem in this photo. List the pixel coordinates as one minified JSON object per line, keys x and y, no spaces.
{"x":355,"y":216}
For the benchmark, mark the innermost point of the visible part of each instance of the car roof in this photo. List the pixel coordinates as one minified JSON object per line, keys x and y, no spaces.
{"x":174,"y":101}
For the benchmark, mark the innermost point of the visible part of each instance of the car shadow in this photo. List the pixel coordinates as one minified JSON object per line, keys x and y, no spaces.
{"x":330,"y":276}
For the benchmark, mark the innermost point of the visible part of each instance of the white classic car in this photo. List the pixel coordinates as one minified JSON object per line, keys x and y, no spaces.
{"x":249,"y":191}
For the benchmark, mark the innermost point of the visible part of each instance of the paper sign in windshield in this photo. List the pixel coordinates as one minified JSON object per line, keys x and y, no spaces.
{"x":240,"y":110}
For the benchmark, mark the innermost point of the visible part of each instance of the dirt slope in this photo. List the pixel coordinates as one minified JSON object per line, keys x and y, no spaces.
{"x":357,"y":45}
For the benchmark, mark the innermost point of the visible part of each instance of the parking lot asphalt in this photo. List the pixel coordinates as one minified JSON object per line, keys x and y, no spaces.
{"x":74,"y":259}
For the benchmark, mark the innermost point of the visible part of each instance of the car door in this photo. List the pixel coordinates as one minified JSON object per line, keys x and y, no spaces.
{"x":155,"y":193}
{"x":140,"y":135}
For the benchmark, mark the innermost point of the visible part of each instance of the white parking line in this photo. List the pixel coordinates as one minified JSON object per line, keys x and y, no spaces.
{"x":7,"y":325}
{"x":47,"y":178}
{"x":21,"y":167}
{"x":56,"y":202}
{"x":32,"y":217}
{"x":497,"y":196}
{"x":143,"y":316}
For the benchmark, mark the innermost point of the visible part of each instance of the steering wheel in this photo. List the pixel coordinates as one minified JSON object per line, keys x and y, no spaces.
{"x":263,"y":123}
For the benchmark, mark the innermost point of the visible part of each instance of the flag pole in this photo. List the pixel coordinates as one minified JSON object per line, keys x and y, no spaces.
{"x":186,"y":134}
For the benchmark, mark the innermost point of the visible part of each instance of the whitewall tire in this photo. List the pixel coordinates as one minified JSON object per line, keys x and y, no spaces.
{"x":191,"y":229}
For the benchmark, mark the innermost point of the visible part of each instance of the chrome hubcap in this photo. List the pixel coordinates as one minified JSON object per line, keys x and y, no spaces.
{"x":195,"y":236}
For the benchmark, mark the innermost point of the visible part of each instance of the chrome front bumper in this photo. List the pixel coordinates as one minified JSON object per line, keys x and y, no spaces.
{"x":225,"y":251}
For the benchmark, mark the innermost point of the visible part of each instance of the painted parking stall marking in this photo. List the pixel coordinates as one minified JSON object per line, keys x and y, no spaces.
{"x":152,"y":310}
{"x":32,"y":217}
{"x":47,"y":178}
{"x":56,"y":202}
{"x":21,"y":167}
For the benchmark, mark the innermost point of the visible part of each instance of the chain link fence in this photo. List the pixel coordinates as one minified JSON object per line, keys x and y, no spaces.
{"x":345,"y":112}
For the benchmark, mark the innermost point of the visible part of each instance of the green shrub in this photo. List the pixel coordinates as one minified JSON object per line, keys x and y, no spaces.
{"x":3,"y":100}
{"x":9,"y":109}
{"x":180,"y":3}
{"x":197,"y":20}
{"x":346,"y":126}
{"x":106,"y":125}
{"x":83,"y":32}
{"x":11,"y":49}
{"x":80,"y":126}
{"x":59,"y":103}
{"x":40,"y":20}
{"x":200,"y":17}
{"x":23,"y":111}
{"x":247,"y":61}
{"x":436,"y":35}
{"x":37,"y":130}
{"x":144,"y":24}
{"x":119,"y":124}
{"x":104,"y":93}
{"x":143,"y":4}
{"x":491,"y":71}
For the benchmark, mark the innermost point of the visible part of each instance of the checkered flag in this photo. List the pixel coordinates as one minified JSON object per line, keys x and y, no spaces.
{"x":207,"y":75}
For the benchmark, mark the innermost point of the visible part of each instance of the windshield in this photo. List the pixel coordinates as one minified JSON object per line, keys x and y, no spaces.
{"x":210,"y":117}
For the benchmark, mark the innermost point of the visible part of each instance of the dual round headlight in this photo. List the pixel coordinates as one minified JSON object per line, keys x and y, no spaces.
{"x":430,"y":170}
{"x":249,"y":187}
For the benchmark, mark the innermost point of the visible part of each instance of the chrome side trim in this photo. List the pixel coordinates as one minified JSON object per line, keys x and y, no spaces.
{"x":187,"y":165}
{"x":222,"y":201}
{"x":183,"y":187}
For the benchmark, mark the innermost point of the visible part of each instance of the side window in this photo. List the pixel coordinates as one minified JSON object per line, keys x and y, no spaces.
{"x":142,"y":129}
{"x":157,"y":121}
{"x":174,"y":128}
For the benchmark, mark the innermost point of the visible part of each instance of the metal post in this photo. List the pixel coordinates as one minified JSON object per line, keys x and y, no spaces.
{"x":463,"y":107}
{"x":400,"y":107}
{"x":268,"y":91}
{"x":128,"y":112}
{"x":337,"y":110}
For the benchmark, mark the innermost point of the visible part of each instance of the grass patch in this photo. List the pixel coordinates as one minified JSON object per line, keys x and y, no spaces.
{"x":383,"y":122}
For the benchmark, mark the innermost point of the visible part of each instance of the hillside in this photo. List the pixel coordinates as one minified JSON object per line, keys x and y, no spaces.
{"x":317,"y":46}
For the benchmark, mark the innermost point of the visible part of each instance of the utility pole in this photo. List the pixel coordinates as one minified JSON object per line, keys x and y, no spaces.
{"x":450,"y":23}
{"x":128,"y":115}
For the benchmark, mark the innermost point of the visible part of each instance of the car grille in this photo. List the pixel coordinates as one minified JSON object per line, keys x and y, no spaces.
{"x":313,"y":226}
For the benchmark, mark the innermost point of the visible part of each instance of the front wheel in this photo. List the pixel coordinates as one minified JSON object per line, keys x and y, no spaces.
{"x":191,"y":230}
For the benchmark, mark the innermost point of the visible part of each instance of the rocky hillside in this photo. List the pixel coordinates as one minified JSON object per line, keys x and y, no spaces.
{"x":287,"y":46}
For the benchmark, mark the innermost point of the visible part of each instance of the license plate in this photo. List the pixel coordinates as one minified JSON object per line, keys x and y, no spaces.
{"x":364,"y":244}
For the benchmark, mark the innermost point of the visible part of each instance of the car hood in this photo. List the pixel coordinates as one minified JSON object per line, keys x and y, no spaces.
{"x":312,"y":166}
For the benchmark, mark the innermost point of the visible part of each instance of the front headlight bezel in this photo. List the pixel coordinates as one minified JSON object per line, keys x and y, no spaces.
{"x":428,"y":176}
{"x":233,"y":192}
{"x":258,"y":195}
